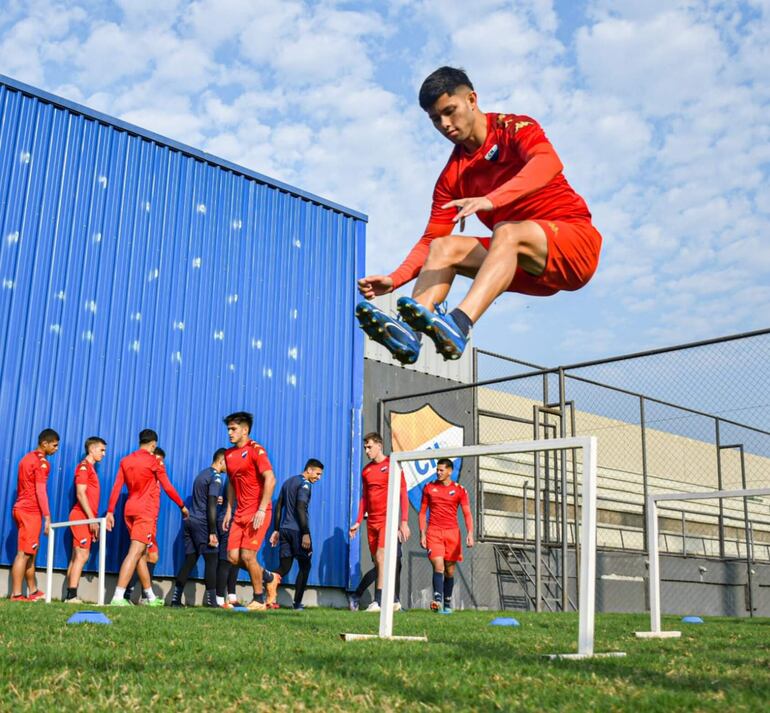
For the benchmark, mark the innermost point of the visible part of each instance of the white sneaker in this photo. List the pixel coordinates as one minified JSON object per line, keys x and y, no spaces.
{"x":373,"y":607}
{"x":396,"y":606}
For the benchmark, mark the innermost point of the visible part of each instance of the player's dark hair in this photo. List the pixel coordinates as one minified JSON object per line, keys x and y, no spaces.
{"x":147,"y":435}
{"x":445,"y":80}
{"x":218,"y":453}
{"x":92,"y":441}
{"x":242,"y":418}
{"x":373,"y":436}
{"x":47,"y":435}
{"x":445,"y":461}
{"x":314,"y":463}
{"x":159,"y":452}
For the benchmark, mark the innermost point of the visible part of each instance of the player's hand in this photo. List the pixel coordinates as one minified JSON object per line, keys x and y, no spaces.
{"x":47,"y":527}
{"x":466,"y":207}
{"x":274,"y":539}
{"x":213,"y":540}
{"x":423,"y":541}
{"x":110,"y":518}
{"x":404,"y":533}
{"x":306,"y":544}
{"x":353,"y":530}
{"x":259,"y":519}
{"x":185,"y":512}
{"x":375,"y":285}
{"x":93,"y":528}
{"x":226,"y":521}
{"x":469,"y":539}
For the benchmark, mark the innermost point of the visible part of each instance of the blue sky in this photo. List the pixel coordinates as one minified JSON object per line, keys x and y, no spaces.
{"x":659,"y":111}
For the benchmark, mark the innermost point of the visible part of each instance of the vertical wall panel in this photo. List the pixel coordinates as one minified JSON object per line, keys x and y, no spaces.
{"x":144,"y":284}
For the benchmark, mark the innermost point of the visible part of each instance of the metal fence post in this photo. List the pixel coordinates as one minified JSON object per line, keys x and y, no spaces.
{"x":645,"y":482}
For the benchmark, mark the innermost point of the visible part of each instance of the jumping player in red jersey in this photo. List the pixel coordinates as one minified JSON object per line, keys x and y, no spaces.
{"x":440,"y":533}
{"x":141,"y":472}
{"x":374,"y":503}
{"x":86,"y":508}
{"x":505,"y":170}
{"x":30,"y":512}
{"x":250,"y":482}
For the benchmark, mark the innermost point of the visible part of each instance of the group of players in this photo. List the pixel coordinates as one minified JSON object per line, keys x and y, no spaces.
{"x":227,"y":527}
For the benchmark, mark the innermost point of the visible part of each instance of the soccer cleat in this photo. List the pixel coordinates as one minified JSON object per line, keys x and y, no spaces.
{"x":271,"y":589}
{"x":373,"y":607}
{"x":446,"y":610}
{"x":439,"y":326}
{"x":254,"y":605}
{"x":229,"y":605}
{"x":299,"y":607}
{"x":18,"y":598}
{"x":157,"y":602}
{"x":176,"y":604}
{"x":274,"y":605}
{"x":396,"y":606}
{"x":120,"y":602}
{"x":74,"y":600}
{"x":36,"y":596}
{"x":435,"y":605}
{"x":397,"y":337}
{"x":353,"y":602}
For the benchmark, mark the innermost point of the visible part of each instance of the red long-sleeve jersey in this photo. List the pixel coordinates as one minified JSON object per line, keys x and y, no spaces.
{"x":443,"y":502}
{"x":141,"y":472}
{"x":374,"y":493}
{"x":31,"y":495}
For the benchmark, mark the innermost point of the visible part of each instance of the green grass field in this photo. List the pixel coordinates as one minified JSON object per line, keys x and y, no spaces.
{"x":197,"y":659}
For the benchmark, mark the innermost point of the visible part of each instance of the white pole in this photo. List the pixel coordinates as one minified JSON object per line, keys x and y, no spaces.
{"x":391,"y":548}
{"x":49,"y":565}
{"x":653,"y":555}
{"x":588,"y":560}
{"x":102,"y":558}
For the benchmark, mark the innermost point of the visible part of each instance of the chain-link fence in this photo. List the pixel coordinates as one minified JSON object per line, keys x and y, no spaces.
{"x":688,"y":419}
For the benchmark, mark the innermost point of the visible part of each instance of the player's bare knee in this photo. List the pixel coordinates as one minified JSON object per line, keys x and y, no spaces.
{"x":447,"y":251}
{"x":233,"y":557}
{"x":512,"y":236}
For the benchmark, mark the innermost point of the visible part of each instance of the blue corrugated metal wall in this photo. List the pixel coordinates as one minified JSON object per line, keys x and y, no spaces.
{"x":143,"y":284}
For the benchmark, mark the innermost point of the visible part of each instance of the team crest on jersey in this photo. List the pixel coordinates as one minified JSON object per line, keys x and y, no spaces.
{"x":452,"y":492}
{"x":420,"y":430}
{"x":492,"y":154}
{"x":244,"y":454}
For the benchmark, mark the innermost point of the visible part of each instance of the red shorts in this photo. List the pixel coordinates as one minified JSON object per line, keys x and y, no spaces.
{"x":376,"y":536}
{"x":243,"y":536}
{"x":81,"y":534}
{"x":141,"y":528}
{"x":29,"y":524}
{"x":446,"y":544}
{"x":573,"y":255}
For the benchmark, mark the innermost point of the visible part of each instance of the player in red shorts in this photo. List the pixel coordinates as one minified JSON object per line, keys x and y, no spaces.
{"x":30,"y":513}
{"x":141,"y":472}
{"x":440,"y":532}
{"x":504,"y":170}
{"x":374,"y":502}
{"x":86,"y":508}
{"x":250,"y":482}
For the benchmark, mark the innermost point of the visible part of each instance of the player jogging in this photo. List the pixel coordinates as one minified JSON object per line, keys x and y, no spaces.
{"x":30,"y":513}
{"x":200,"y":531}
{"x":440,"y":533}
{"x":250,"y":481}
{"x":141,"y":472}
{"x":292,"y":528}
{"x":374,"y":501}
{"x":86,"y":508}
{"x":505,"y":170}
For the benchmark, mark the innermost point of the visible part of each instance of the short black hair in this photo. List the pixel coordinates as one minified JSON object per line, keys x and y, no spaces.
{"x":446,"y":462}
{"x":159,"y":452}
{"x":218,"y":453}
{"x":92,"y":441}
{"x":147,"y":435}
{"x":313,"y":463}
{"x":445,"y":80}
{"x":241,"y":418}
{"x":47,"y":435}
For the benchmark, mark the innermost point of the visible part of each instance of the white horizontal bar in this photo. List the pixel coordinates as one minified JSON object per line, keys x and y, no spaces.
{"x":712,"y":494}
{"x":359,"y":637}
{"x":658,"y":634}
{"x":69,"y":523}
{"x":605,"y":654}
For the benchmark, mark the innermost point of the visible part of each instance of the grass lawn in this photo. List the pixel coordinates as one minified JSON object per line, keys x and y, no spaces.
{"x":198,"y":659}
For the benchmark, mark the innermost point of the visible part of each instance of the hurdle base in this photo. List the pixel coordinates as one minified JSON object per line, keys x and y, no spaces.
{"x":658,"y":634}
{"x":604,"y":654}
{"x":359,"y":637}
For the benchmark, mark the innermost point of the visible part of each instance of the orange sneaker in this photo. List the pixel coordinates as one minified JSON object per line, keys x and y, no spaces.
{"x":18,"y":598}
{"x":271,"y":589}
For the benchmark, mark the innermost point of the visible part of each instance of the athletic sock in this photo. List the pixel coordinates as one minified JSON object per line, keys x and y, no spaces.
{"x":462,"y":320}
{"x":259,"y":597}
{"x":267,"y":576}
{"x":449,"y":585}
{"x":149,"y":595}
{"x":232,"y":598}
{"x":72,"y":592}
{"x":378,"y":596}
{"x":438,"y":586}
{"x":119,"y":592}
{"x":220,"y":601}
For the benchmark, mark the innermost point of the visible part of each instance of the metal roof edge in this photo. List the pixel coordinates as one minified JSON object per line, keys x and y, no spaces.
{"x":176,"y":145}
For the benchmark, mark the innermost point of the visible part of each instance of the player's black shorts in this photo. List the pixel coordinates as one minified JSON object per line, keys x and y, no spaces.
{"x":223,"y":536}
{"x":196,"y":537}
{"x":291,"y":545}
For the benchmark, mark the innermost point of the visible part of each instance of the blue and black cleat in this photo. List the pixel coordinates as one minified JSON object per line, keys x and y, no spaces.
{"x":440,"y":327}
{"x":397,"y":337}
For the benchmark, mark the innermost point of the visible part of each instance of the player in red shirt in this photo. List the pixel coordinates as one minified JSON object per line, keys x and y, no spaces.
{"x":250,"y":482}
{"x":504,"y":170}
{"x":374,"y":503}
{"x":141,"y":472}
{"x":86,"y":508}
{"x":440,"y":532}
{"x":30,"y":512}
